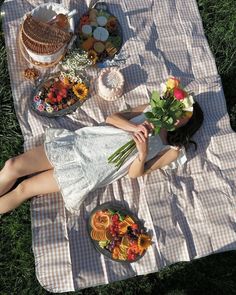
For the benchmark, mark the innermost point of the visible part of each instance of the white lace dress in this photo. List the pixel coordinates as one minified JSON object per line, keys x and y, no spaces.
{"x":80,"y":158}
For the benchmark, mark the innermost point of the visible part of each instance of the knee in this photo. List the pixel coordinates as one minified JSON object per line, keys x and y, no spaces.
{"x":22,"y":189}
{"x":25,"y":190}
{"x":9,"y":164}
{"x":11,"y":167}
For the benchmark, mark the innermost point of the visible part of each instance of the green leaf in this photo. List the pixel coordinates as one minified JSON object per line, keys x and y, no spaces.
{"x":112,"y":211}
{"x":121,"y":216}
{"x":157,"y":112}
{"x":156,"y":122}
{"x":155,"y":95}
{"x":149,"y":115}
{"x":171,"y":128}
{"x":170,"y":121}
{"x":157,"y":130}
{"x":179,"y":114}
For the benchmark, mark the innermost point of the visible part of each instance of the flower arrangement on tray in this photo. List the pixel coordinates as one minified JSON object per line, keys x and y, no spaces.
{"x":118,"y":234}
{"x":173,"y":103}
{"x":60,"y":94}
{"x":99,"y":33}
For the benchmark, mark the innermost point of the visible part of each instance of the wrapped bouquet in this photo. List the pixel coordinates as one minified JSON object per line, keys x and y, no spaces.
{"x":172,"y":103}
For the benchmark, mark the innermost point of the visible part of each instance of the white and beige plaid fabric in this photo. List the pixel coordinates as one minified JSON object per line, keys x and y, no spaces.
{"x":190,"y":212}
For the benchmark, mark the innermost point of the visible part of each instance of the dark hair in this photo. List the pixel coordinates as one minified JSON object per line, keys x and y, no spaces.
{"x":182,"y":136}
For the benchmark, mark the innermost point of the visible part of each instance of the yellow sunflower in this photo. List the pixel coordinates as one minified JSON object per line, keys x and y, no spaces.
{"x":144,"y":241}
{"x":92,"y":54}
{"x":80,"y":90}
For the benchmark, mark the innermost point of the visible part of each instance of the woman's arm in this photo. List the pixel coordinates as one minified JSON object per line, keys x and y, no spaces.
{"x":121,"y":119}
{"x":161,"y":160}
{"x":140,"y":168}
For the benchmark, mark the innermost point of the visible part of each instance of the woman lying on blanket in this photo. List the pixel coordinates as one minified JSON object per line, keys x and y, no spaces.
{"x":75,"y":163}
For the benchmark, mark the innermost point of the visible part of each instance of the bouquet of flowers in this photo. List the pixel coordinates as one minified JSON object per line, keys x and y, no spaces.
{"x":171,"y":104}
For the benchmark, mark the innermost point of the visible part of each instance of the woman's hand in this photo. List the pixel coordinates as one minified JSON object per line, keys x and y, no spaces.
{"x":145,"y":128}
{"x":141,"y":142}
{"x":137,"y":167}
{"x":141,"y":138}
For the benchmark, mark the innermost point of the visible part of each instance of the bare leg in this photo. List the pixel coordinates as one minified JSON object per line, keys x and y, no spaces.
{"x":41,"y":183}
{"x":32,"y":161}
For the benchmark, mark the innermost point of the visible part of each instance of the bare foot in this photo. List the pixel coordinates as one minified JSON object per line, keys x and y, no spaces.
{"x":6,"y":179}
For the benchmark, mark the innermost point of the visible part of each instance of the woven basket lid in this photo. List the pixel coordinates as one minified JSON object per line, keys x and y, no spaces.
{"x":40,"y":48}
{"x":42,"y":38}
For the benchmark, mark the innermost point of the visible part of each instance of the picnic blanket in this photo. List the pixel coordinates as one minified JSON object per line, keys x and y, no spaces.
{"x":190,"y":212}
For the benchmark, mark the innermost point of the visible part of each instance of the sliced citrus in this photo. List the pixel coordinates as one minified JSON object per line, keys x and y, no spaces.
{"x":100,"y":220}
{"x":98,"y":235}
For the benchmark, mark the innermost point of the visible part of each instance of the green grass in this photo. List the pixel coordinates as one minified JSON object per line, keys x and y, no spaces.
{"x":215,"y":274}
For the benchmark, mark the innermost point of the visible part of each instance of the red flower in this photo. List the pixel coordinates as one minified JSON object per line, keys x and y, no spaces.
{"x":179,"y":94}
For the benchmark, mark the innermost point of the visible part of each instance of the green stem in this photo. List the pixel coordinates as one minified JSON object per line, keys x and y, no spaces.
{"x":120,"y":150}
{"x":125,"y":157}
{"x":122,"y":153}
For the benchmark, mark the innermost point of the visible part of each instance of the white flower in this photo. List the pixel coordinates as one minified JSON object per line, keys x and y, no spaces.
{"x":163,"y":88}
{"x":188,"y":103}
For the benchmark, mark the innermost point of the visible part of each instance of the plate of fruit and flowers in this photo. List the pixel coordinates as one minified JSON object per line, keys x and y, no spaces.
{"x":117,"y":233}
{"x":59,"y":94}
{"x":99,"y":33}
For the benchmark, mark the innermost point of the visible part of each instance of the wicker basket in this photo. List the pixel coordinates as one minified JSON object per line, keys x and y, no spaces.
{"x":41,"y":42}
{"x":42,"y":38}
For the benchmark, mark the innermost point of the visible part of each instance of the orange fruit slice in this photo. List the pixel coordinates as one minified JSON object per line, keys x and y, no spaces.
{"x":98,"y":235}
{"x":129,"y":220}
{"x":100,"y":220}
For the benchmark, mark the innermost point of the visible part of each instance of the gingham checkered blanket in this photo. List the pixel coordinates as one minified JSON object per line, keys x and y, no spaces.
{"x":190,"y":212}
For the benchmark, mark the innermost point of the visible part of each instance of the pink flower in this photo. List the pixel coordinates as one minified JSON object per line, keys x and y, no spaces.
{"x":179,"y":94}
{"x":172,"y":83}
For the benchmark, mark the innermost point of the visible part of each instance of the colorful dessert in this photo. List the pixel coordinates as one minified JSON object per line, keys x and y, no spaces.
{"x":59,"y":93}
{"x":110,"y":84}
{"x":118,"y":235}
